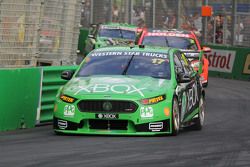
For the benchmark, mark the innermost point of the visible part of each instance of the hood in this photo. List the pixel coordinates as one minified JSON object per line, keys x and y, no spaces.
{"x":135,"y":87}
{"x":115,"y":41}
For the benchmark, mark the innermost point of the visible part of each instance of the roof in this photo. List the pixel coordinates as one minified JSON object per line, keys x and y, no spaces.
{"x":121,"y":25}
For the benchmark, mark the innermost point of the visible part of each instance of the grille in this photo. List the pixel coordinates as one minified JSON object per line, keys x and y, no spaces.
{"x":108,"y":124}
{"x":107,"y":106}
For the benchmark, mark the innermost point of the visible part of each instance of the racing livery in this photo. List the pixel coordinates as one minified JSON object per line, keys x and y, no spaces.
{"x":184,"y":40}
{"x":110,"y":34}
{"x":130,"y":91}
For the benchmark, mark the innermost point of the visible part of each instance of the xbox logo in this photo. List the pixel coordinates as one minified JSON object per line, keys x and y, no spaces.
{"x":100,"y":116}
{"x":107,"y":106}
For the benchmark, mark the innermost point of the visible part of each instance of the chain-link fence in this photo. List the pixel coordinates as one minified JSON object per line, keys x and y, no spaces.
{"x":228,"y":25}
{"x":38,"y":32}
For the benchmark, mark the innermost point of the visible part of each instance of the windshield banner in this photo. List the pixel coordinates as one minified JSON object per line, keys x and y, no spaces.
{"x":127,"y":53}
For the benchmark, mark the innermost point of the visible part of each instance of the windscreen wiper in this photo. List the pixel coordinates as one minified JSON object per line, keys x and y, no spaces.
{"x":121,"y":34}
{"x":127,"y":66}
{"x":166,"y":40}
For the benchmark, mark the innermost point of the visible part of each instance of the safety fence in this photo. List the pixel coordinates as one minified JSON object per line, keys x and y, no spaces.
{"x":51,"y":82}
{"x":229,"y":62}
{"x":38,"y":32}
{"x":229,"y":24}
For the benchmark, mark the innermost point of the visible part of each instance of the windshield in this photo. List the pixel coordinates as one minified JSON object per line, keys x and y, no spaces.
{"x":170,"y":41}
{"x":118,"y":33}
{"x":119,"y":63}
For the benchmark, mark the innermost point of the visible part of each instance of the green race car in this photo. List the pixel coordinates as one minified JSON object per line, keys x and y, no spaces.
{"x":110,"y":34}
{"x":130,"y":91}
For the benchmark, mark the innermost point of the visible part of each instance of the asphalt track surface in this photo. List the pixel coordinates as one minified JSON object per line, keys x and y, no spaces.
{"x":223,"y":142}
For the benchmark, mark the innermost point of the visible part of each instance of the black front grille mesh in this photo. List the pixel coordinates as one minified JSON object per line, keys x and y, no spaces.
{"x":116,"y":106}
{"x":108,"y":124}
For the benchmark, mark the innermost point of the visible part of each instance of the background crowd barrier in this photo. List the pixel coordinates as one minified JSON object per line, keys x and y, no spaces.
{"x":19,"y":97}
{"x":84,"y":32}
{"x":229,"y":62}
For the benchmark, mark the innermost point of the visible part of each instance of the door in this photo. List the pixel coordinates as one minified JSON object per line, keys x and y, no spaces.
{"x":187,"y":92}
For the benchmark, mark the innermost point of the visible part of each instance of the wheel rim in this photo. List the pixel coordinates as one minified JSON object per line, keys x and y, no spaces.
{"x":202,"y":111}
{"x":176,"y":116}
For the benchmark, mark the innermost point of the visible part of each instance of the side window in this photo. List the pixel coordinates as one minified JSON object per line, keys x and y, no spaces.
{"x":186,"y":64}
{"x":178,"y":65}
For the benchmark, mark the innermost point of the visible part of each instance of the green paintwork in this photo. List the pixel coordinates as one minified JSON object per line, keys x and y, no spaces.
{"x":19,"y":97}
{"x":111,"y":87}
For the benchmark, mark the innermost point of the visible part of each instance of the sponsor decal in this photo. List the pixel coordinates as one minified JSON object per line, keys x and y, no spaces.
{"x":221,"y":60}
{"x":67,"y":99}
{"x":192,"y":96}
{"x":69,"y":111}
{"x":183,"y":105}
{"x":127,"y":53}
{"x":156,"y":126}
{"x":117,"y":88}
{"x":169,"y":34}
{"x":107,"y":116}
{"x":153,"y":100}
{"x":246,"y":69}
{"x":147,"y":112}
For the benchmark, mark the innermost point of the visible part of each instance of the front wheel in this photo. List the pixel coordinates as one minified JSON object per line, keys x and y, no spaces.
{"x":199,"y":122}
{"x":175,"y":117}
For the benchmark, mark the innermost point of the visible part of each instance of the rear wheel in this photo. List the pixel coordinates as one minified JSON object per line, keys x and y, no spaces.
{"x":175,"y":117}
{"x":199,"y":122}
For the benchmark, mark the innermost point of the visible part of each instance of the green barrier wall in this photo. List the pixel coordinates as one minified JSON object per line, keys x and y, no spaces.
{"x":82,"y":37}
{"x":19,"y":97}
{"x":238,"y":66}
{"x":51,"y":83}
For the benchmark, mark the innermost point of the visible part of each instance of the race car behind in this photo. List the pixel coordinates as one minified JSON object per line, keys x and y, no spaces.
{"x":184,"y":40}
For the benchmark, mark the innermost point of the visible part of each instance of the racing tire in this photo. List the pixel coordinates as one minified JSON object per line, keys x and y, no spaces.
{"x":175,"y":117}
{"x":199,"y":122}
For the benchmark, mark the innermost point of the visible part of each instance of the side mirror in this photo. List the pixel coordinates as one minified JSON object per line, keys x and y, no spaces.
{"x":67,"y":75}
{"x":91,"y":36}
{"x":183,"y":78}
{"x":93,"y":25}
{"x":206,"y":49}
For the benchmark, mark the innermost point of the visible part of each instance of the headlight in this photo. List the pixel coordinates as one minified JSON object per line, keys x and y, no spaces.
{"x":67,"y":99}
{"x":153,"y":100}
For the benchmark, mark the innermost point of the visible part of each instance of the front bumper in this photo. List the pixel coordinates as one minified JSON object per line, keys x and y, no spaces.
{"x":111,"y":127}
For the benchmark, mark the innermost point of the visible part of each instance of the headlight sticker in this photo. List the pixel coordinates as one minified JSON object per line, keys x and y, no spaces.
{"x":153,"y":100}
{"x":67,"y":99}
{"x":147,"y":112}
{"x":69,"y":111}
